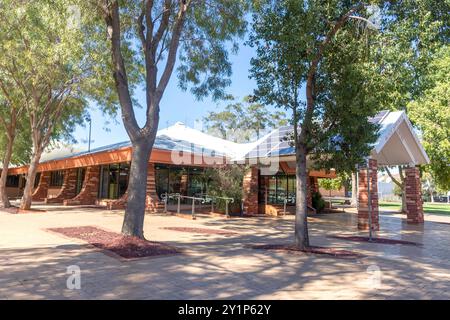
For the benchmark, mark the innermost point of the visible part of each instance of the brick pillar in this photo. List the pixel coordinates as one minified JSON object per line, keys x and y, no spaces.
{"x":413,"y":195}
{"x":153,"y":203}
{"x":68,"y":189}
{"x":250,"y":188}
{"x":40,"y":194}
{"x":363,"y":198}
{"x":89,"y":191}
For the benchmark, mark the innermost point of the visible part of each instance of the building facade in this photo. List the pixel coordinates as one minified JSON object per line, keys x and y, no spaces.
{"x":181,"y":154}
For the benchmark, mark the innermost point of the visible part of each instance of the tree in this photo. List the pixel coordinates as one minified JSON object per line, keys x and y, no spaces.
{"x":242,"y":122}
{"x":151,"y":36}
{"x":414,"y":31}
{"x":431,"y":114}
{"x":50,"y":78}
{"x":330,"y":184}
{"x":312,"y":46}
{"x":14,"y":139}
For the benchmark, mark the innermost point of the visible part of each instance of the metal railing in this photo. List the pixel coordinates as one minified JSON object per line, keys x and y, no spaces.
{"x":204,"y":198}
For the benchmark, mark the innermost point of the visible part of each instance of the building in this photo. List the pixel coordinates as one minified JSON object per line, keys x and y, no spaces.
{"x":180,"y":155}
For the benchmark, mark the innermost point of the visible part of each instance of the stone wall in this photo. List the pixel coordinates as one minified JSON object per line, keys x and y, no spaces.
{"x":68,"y":189}
{"x":89,"y":191}
{"x":40,"y":194}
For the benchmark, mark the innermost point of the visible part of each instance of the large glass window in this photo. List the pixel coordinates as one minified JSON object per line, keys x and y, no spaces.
{"x":56,"y":178}
{"x":277,"y":188}
{"x":188,"y":181}
{"x":12,"y":181}
{"x":113,"y":180}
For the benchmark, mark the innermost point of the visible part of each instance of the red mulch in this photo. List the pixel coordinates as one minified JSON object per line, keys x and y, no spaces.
{"x":377,"y":240}
{"x":16,"y":210}
{"x":338,"y":253}
{"x":125,"y":246}
{"x":201,"y":230}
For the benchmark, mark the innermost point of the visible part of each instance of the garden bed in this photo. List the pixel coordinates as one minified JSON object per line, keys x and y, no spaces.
{"x":201,"y":230}
{"x":377,"y":240}
{"x":337,"y":253}
{"x":124,"y":246}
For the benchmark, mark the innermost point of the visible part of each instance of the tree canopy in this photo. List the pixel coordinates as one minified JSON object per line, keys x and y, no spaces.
{"x":243,"y":121}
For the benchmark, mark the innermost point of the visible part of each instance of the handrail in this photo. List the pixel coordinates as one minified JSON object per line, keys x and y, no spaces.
{"x":205,"y":198}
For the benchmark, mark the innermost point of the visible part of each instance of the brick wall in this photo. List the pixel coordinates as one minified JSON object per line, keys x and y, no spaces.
{"x":363,"y":198}
{"x":413,"y":195}
{"x":250,"y":189}
{"x":89,"y":191}
{"x":68,"y":189}
{"x":40,"y":194}
{"x":153,"y":203}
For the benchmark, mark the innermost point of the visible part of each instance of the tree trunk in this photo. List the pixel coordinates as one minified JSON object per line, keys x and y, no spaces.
{"x":4,"y":201}
{"x":431,"y":196}
{"x":354,"y":201}
{"x":301,"y":206}
{"x":133,"y":223}
{"x":31,"y":177}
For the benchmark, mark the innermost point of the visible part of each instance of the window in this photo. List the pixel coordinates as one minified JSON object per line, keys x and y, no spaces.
{"x":114,"y":180}
{"x":80,"y":179}
{"x":188,"y":181}
{"x":12,"y":181}
{"x":56,"y":178}
{"x":275,"y":189}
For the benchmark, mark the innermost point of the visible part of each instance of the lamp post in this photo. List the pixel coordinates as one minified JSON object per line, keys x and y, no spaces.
{"x":89,"y":119}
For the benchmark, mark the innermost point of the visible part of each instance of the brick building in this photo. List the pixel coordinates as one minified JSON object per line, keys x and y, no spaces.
{"x":181,"y":154}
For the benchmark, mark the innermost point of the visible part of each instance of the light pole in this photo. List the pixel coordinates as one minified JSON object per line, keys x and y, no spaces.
{"x":89,"y":119}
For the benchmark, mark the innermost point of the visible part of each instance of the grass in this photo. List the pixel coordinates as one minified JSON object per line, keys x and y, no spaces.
{"x":433,"y":208}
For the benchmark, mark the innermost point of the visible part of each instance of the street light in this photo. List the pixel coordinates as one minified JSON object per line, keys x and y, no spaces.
{"x":89,"y":119}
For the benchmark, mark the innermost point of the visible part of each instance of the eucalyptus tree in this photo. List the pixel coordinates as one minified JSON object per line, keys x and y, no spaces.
{"x":316,"y":47}
{"x":49,"y":70}
{"x":415,"y":33}
{"x":243,"y":121}
{"x":191,"y":36}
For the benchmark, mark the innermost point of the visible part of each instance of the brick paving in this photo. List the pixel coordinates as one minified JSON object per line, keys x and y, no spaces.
{"x":33,"y":262}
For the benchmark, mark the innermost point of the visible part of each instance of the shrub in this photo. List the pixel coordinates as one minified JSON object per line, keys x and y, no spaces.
{"x":317,"y":202}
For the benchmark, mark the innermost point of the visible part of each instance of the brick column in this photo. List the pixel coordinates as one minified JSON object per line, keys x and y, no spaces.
{"x":89,"y":191}
{"x":250,"y":189}
{"x":153,"y":203}
{"x":40,"y":194}
{"x":413,"y":192}
{"x":68,"y":189}
{"x":363,"y":198}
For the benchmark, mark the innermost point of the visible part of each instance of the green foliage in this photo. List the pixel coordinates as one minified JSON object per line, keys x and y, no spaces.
{"x":55,"y":65}
{"x":242,"y":122}
{"x":226,"y":182}
{"x":330,"y":184}
{"x":317,"y":202}
{"x":431,"y":114}
{"x":287,"y":35}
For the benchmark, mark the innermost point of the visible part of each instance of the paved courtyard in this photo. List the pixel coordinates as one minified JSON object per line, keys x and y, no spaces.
{"x":33,"y":262}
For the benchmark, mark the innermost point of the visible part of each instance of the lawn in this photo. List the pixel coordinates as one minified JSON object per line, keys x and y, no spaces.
{"x":434,"y":208}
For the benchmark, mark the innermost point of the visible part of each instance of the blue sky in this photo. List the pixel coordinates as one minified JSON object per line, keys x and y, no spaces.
{"x":176,"y":105}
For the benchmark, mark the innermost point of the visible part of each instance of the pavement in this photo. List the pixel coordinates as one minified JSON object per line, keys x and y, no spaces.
{"x":34,"y":262}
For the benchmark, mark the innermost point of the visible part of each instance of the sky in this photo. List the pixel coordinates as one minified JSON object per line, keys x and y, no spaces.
{"x":176,"y":105}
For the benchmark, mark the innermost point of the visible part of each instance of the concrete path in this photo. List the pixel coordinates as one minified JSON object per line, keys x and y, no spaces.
{"x":33,"y":262}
